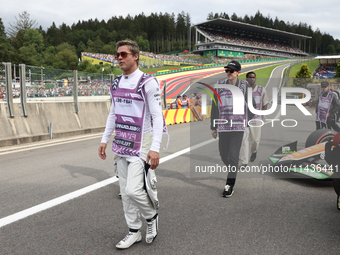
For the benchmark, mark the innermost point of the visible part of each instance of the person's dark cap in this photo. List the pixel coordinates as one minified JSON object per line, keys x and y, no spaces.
{"x":184,"y":95}
{"x":178,"y":96}
{"x":324,"y":84}
{"x":234,"y":65}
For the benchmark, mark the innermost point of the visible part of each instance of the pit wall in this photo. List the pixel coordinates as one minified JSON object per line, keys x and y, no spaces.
{"x":90,"y":119}
{"x":35,"y":127}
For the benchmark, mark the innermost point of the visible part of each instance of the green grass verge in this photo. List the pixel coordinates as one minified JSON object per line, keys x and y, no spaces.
{"x":262,"y":75}
{"x":311,"y":65}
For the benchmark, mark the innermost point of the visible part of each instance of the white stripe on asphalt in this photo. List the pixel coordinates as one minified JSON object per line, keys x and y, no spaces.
{"x":57,"y":201}
{"x":12,"y":149}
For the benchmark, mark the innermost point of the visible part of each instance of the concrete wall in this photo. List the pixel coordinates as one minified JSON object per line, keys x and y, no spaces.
{"x":35,"y":127}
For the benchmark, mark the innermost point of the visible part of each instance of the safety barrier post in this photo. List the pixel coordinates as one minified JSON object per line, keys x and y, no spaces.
{"x":112,"y":77}
{"x":164,"y":95}
{"x":75,"y":91}
{"x":9,"y":93}
{"x":22,"y":77}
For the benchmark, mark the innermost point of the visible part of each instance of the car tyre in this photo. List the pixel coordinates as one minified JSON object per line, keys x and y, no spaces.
{"x":319,"y":136}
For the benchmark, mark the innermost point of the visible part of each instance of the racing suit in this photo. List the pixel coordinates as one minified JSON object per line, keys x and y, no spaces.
{"x":135,"y":102}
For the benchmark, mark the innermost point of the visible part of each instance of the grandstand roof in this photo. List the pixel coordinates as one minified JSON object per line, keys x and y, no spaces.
{"x":328,"y":57}
{"x":226,"y":24}
{"x":333,"y":59}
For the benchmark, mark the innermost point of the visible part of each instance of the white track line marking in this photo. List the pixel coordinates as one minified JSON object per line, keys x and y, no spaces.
{"x":57,"y":201}
{"x":48,"y":144}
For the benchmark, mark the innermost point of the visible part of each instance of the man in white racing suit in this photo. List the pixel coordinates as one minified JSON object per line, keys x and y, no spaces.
{"x":136,"y":117}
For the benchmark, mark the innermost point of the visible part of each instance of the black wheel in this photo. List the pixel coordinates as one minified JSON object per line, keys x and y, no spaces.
{"x":319,"y":136}
{"x":338,"y":203}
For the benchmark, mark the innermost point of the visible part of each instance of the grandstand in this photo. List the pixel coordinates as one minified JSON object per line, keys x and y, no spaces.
{"x":146,"y":59}
{"x":231,"y":39}
{"x":99,"y":58}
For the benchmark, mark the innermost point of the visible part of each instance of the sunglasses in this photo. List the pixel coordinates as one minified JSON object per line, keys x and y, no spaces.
{"x":123,"y":54}
{"x":230,"y":71}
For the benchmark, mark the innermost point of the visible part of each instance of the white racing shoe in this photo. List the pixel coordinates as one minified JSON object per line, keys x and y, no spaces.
{"x":151,"y":229}
{"x":130,"y":239}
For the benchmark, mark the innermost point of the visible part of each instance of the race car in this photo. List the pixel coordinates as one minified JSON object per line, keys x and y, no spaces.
{"x":320,"y":159}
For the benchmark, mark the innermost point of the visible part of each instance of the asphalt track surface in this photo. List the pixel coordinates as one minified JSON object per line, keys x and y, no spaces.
{"x":185,"y":83}
{"x":269,"y":213}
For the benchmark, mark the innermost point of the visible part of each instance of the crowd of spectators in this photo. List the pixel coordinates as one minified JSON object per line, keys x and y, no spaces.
{"x":163,"y":57}
{"x":243,"y":40}
{"x":105,"y":57}
{"x":2,"y":93}
{"x":246,"y":50}
{"x":325,"y":71}
{"x":93,"y":88}
{"x":159,"y":57}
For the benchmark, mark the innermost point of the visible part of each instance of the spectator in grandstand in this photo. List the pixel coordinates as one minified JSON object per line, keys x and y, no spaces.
{"x":326,"y":71}
{"x":179,"y":102}
{"x":185,"y":102}
{"x":253,"y":132}
{"x":326,"y":107}
{"x":231,"y":129}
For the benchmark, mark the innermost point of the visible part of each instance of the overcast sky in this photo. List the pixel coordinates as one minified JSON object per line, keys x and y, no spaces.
{"x":324,"y":14}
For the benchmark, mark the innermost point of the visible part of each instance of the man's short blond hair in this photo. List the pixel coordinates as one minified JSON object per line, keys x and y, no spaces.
{"x":133,"y":47}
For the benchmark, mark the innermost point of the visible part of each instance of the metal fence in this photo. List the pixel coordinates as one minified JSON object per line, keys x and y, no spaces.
{"x":27,"y":82}
{"x":48,"y":82}
{"x":3,"y":91}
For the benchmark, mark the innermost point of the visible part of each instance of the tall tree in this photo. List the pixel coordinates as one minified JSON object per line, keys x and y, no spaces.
{"x":5,"y":46}
{"x":51,"y":35}
{"x":2,"y":29}
{"x":337,"y":49}
{"x":33,"y":36}
{"x":49,"y":55}
{"x":32,"y":49}
{"x":81,"y":48}
{"x":22,"y":23}
{"x":110,"y":48}
{"x":66,"y":58}
{"x":210,"y":16}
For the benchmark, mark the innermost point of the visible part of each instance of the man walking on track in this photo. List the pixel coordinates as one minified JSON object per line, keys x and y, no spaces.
{"x":254,"y":130}
{"x":230,"y":127}
{"x":326,"y":108}
{"x":136,"y":116}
